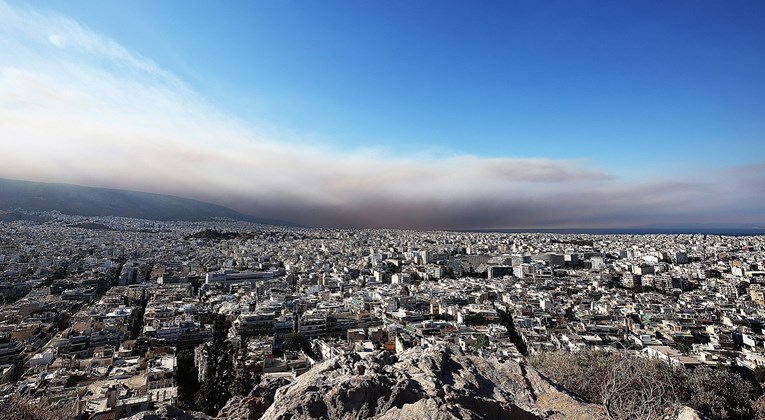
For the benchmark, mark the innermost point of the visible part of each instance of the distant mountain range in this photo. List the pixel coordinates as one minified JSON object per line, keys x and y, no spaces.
{"x":89,"y":201}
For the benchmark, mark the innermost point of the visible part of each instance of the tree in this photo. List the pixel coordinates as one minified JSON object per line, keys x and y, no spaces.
{"x":295,"y":341}
{"x":481,"y":341}
{"x":215,"y":390}
{"x":682,"y":348}
{"x":187,"y":379}
{"x":243,"y":379}
{"x":507,"y":320}
{"x":759,"y":374}
{"x":718,"y":393}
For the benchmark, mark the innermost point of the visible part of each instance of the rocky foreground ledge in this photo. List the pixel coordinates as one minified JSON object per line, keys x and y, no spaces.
{"x":437,"y":382}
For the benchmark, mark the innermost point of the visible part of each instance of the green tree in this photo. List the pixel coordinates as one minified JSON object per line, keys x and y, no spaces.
{"x":507,"y":320}
{"x":215,"y":389}
{"x":718,"y":393}
{"x":243,"y":379}
{"x":295,"y":341}
{"x":481,"y":341}
{"x":759,"y":373}
{"x":186,"y":377}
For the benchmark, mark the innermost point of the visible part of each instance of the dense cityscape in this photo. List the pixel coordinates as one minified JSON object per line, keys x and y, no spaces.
{"x":110,"y":315}
{"x":391,"y":210}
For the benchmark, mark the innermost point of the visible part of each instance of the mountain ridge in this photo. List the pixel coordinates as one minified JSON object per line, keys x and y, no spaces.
{"x":93,"y":201}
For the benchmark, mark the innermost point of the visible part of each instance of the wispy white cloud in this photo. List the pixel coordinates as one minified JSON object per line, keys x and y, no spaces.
{"x":77,"y":107}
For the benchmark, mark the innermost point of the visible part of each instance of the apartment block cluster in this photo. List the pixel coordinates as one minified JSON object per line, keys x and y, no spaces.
{"x":96,"y":309}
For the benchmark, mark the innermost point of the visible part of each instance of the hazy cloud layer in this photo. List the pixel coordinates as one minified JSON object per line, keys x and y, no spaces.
{"x":79,"y":108}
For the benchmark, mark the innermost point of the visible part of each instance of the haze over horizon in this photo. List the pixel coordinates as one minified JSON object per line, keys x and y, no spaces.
{"x":427,"y":115}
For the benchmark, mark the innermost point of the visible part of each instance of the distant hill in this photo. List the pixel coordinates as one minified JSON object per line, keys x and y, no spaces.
{"x":89,"y":201}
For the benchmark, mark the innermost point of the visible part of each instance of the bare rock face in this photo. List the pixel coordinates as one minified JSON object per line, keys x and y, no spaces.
{"x":256,"y":402}
{"x":438,"y":382}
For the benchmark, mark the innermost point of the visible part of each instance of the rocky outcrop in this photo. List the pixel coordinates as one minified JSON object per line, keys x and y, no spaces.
{"x":438,"y":382}
{"x":255,"y":404}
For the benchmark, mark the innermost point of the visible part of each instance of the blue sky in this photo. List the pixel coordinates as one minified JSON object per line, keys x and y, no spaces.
{"x":554,"y":79}
{"x":633,"y":93}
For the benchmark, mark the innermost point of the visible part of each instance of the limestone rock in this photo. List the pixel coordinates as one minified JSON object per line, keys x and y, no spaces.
{"x":256,"y":402}
{"x":437,"y":382}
